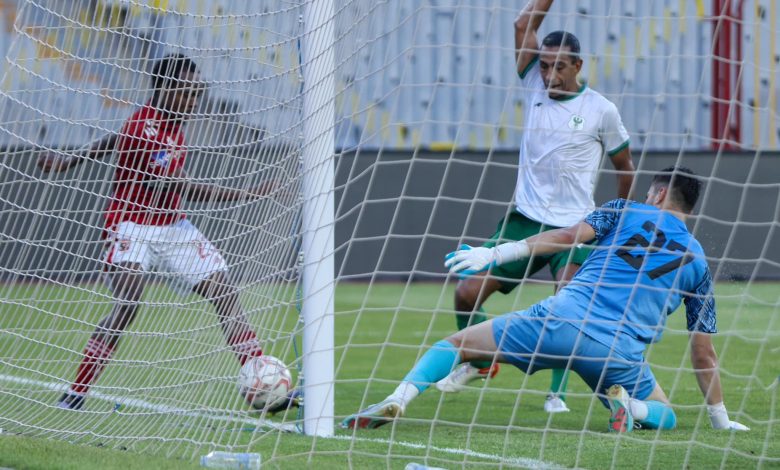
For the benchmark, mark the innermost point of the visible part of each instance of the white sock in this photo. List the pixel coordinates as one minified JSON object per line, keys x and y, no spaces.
{"x":404,"y":393}
{"x":638,"y":409}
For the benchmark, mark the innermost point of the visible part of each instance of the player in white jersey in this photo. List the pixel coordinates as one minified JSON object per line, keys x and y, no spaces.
{"x":569,"y":128}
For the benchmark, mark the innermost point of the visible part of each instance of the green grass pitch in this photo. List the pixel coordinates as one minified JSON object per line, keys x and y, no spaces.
{"x":168,"y":362}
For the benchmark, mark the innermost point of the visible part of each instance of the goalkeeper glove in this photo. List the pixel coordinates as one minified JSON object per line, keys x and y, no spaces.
{"x":471,"y":260}
{"x":719,"y":418}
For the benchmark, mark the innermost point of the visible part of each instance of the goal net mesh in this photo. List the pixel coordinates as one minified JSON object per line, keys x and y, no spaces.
{"x":429,"y":117}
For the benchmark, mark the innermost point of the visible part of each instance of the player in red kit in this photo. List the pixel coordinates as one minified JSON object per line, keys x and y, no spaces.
{"x":146,"y":229}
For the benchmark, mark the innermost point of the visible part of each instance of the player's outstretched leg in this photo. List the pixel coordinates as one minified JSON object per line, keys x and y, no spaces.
{"x":435,"y":364}
{"x":97,"y":353}
{"x":238,"y":333}
{"x":376,"y":415}
{"x":469,"y":294}
{"x":128,"y":285}
{"x":465,"y":374}
{"x":475,"y":342}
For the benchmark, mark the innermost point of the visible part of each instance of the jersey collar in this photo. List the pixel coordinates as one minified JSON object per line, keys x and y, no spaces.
{"x":569,"y":98}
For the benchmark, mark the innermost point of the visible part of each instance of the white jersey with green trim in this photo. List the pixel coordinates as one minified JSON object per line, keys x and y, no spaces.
{"x":561,"y":150}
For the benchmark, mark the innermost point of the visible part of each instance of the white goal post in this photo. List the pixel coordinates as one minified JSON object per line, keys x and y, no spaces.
{"x":318,"y":217}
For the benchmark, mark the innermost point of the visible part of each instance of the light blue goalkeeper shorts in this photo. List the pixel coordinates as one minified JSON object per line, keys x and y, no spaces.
{"x":531,"y":341}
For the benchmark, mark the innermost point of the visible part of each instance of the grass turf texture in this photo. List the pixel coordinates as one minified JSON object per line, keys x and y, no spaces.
{"x":170,"y":359}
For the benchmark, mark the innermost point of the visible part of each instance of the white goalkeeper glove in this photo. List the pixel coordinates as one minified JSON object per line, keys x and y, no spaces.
{"x":472,"y":260}
{"x":719,"y":418}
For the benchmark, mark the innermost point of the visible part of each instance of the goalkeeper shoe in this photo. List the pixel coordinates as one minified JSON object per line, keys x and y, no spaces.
{"x":554,"y":404}
{"x":294,"y":400}
{"x":621,"y":420}
{"x":375,"y":415}
{"x":71,"y":401}
{"x":460,"y":377}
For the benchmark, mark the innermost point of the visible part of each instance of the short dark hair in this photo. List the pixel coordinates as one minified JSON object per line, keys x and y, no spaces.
{"x":167,"y":71}
{"x":683,"y":186}
{"x":561,"y":39}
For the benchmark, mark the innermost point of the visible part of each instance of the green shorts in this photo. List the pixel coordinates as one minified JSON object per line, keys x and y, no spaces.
{"x":516,"y":226}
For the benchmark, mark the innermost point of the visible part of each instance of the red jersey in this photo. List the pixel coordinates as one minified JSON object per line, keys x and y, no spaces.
{"x":150,"y":146}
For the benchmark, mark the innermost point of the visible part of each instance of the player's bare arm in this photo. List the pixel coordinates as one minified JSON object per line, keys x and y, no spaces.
{"x":179,"y":181}
{"x":59,"y":160}
{"x":211,"y":192}
{"x":560,"y":239}
{"x":705,"y":365}
{"x":468,"y":260}
{"x":625,"y":172}
{"x":526,"y":26}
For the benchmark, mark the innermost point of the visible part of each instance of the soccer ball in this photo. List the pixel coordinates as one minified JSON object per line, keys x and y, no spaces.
{"x":264,"y":382}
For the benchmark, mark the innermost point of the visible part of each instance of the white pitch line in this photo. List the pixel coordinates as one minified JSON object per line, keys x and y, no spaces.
{"x":523,"y":462}
{"x":519,"y":461}
{"x":150,"y":406}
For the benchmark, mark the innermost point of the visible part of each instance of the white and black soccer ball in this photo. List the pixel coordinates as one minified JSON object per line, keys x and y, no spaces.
{"x":264,"y":382}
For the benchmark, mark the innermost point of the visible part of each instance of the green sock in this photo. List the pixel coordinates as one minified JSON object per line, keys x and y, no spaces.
{"x":560,"y":379}
{"x":464,"y":320}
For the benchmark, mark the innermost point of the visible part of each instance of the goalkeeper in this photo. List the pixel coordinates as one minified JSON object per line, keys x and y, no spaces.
{"x":146,"y":229}
{"x":569,"y":127}
{"x":644,"y":264}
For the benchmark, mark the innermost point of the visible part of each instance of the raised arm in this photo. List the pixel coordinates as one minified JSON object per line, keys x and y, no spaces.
{"x":57,"y":160}
{"x":526,"y":25}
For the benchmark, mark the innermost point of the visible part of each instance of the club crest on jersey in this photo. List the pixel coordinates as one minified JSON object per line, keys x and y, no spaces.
{"x":151,"y":128}
{"x":576,"y":123}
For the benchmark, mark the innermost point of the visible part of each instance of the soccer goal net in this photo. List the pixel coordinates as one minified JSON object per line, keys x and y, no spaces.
{"x":382,"y":135}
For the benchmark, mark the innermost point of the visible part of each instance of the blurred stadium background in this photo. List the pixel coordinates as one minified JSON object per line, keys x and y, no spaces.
{"x":424,"y":89}
{"x":428,"y":74}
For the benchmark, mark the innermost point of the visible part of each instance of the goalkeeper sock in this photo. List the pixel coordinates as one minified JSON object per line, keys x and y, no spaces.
{"x":560,"y":380}
{"x":465,"y":320}
{"x":435,"y":364}
{"x":653,"y":414}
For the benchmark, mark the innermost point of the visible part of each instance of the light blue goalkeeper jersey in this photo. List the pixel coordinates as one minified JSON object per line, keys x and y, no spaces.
{"x":644,"y":264}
